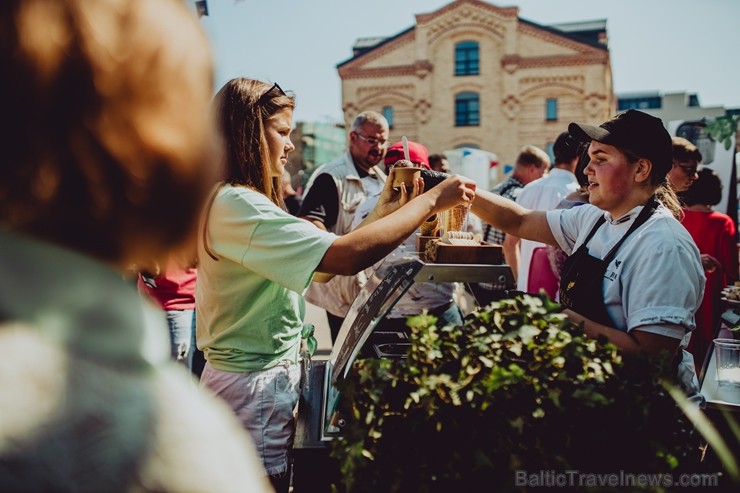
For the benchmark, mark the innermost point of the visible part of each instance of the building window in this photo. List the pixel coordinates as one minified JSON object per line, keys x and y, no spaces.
{"x":467,"y":109}
{"x":466,"y":58}
{"x":388,"y":114}
{"x":551,"y":109}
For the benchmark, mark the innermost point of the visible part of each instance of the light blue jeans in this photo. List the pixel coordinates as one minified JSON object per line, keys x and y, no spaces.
{"x":265,"y":402}
{"x":182,"y":335}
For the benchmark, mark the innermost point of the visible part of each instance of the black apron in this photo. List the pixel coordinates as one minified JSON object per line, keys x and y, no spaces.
{"x":581,"y":286}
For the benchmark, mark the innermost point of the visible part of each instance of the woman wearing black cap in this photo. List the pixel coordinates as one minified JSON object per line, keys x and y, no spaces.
{"x":634,"y":274}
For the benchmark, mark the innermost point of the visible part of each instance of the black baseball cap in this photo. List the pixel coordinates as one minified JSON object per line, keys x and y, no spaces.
{"x":634,"y":131}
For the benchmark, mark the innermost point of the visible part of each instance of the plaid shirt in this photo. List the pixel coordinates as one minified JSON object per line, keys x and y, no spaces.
{"x":508,"y":188}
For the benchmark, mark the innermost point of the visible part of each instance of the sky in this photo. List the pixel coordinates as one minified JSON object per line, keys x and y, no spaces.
{"x":656,"y":45}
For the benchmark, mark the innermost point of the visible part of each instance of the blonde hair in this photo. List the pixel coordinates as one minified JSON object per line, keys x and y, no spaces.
{"x":108,"y":145}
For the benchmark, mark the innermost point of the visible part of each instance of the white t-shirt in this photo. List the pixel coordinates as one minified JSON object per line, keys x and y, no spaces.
{"x":656,"y":279}
{"x":543,"y":194}
{"x":656,"y":276}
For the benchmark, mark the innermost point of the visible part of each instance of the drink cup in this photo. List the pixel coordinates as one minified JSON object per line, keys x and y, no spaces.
{"x":727,"y":354}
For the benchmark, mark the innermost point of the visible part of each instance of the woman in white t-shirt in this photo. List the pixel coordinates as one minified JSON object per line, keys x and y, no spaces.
{"x":633,"y":274}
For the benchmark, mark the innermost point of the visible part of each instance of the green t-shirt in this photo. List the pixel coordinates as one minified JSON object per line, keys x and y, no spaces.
{"x":249,"y":302}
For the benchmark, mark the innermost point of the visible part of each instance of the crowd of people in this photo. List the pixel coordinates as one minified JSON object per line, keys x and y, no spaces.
{"x":105,"y":168}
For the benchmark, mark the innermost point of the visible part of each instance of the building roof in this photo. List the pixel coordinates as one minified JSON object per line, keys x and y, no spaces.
{"x":365,"y":45}
{"x":639,"y":94}
{"x":591,"y":33}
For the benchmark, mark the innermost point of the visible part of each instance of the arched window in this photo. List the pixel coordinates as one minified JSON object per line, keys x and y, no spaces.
{"x":467,"y":109}
{"x":467,"y":58}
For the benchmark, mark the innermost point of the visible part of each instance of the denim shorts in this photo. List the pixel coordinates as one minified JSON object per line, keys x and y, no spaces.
{"x":265,"y":402}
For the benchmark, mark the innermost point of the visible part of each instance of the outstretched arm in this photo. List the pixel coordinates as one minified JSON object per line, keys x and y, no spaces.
{"x":383,"y":230}
{"x":512,"y":218}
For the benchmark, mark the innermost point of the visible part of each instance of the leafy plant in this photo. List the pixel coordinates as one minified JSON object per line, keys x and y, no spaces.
{"x":518,"y":388}
{"x":723,"y":128}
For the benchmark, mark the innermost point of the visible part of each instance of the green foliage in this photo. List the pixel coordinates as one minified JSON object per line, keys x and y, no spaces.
{"x":723,"y":128}
{"x":519,"y":387}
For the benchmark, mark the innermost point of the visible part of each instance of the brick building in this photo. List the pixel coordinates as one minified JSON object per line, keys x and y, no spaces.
{"x":475,"y":75}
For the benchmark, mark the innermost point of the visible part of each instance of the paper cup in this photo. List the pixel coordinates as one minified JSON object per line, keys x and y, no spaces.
{"x":727,"y":354}
{"x":407,"y":176}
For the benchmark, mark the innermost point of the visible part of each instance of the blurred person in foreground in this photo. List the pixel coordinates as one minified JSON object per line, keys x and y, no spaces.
{"x":109,"y":153}
{"x":255,"y":261}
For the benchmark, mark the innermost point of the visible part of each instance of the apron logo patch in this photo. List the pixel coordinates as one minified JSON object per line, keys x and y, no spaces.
{"x":571,"y":284}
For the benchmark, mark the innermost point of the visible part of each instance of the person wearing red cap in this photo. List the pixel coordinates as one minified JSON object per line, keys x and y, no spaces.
{"x":418,"y":154}
{"x":436,"y":298}
{"x":625,"y":247}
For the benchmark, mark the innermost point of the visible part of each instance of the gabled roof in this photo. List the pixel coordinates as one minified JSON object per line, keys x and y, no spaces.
{"x":591,"y":33}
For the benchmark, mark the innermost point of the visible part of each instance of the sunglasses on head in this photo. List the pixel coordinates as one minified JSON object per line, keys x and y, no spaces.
{"x":272,"y":88}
